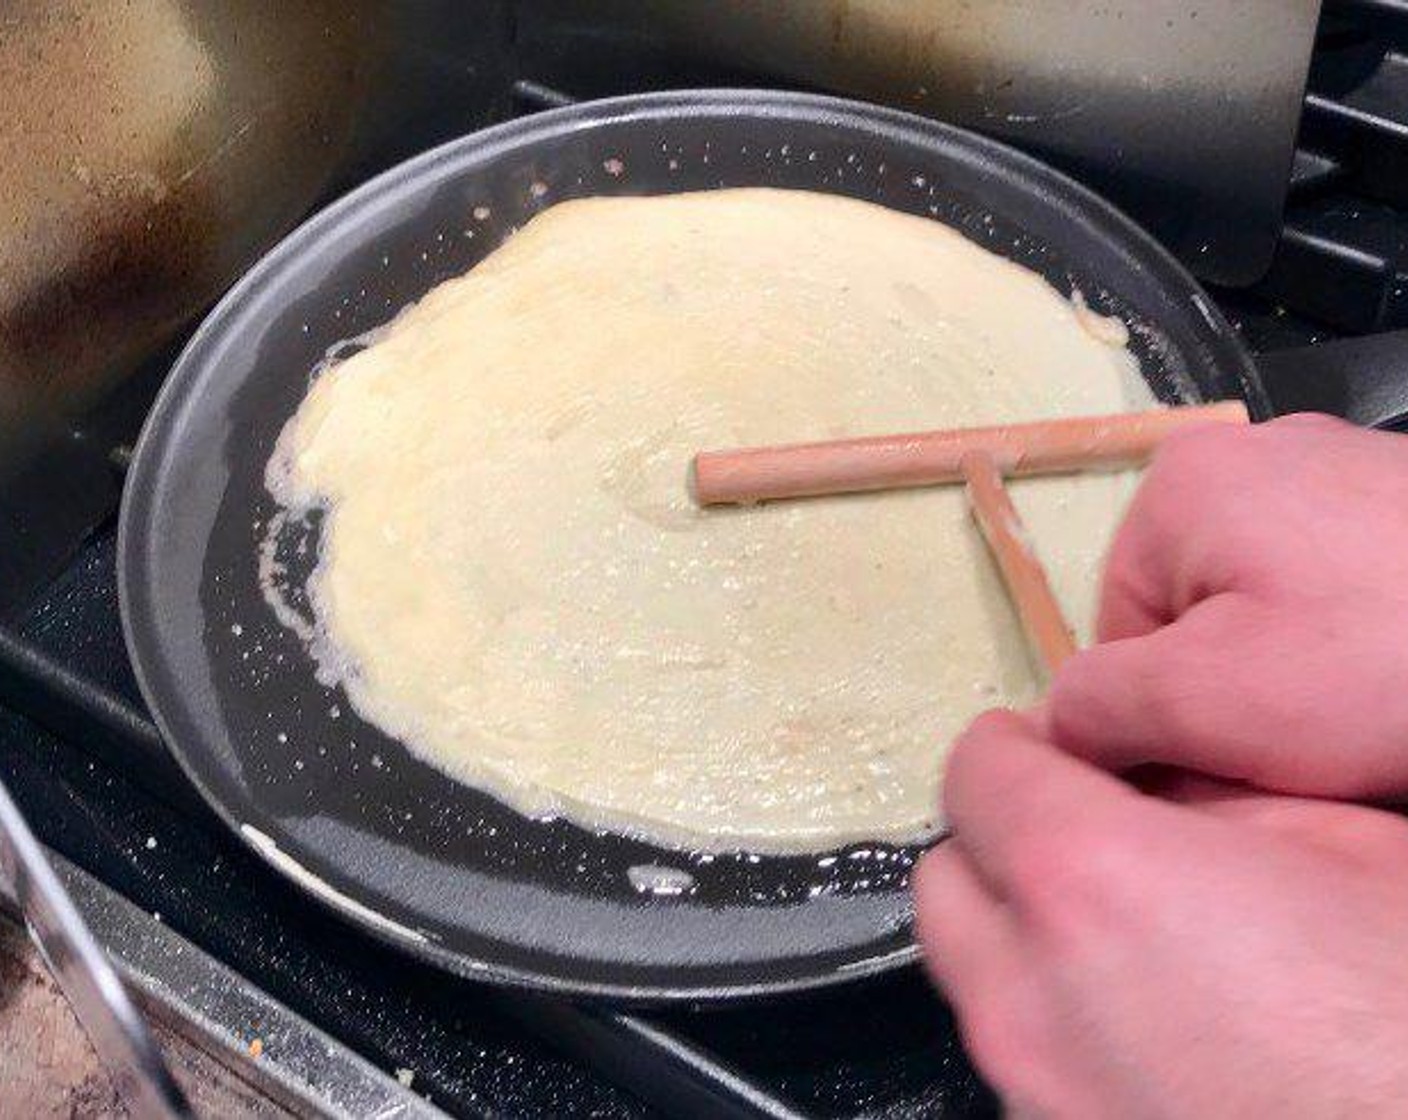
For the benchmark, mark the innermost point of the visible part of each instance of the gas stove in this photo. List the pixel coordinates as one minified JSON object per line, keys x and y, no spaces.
{"x":209,"y":937}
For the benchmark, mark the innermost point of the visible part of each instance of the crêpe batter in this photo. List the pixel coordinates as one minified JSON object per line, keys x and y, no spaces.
{"x":515,"y":582}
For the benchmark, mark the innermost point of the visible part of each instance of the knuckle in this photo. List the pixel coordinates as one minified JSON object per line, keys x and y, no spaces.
{"x":1051,"y":876}
{"x":1071,"y":889}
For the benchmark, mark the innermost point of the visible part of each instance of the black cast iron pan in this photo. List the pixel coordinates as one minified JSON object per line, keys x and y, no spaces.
{"x":442,"y":870}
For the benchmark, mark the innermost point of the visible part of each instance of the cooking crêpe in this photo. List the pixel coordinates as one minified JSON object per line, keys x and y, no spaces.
{"x":515,"y":582}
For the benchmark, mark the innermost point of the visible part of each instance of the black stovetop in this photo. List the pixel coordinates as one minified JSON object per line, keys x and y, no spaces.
{"x":83,"y":760}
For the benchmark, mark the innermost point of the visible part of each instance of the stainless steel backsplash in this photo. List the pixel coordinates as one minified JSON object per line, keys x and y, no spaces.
{"x":1184,"y":112}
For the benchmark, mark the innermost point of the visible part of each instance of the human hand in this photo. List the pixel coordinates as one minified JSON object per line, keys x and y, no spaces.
{"x":1112,"y":954}
{"x":1254,"y":615}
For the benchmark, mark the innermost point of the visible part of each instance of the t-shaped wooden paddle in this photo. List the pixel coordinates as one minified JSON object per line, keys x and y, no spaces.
{"x":979,"y":457}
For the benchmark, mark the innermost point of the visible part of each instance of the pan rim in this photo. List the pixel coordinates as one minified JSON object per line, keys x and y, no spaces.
{"x":150,"y":660}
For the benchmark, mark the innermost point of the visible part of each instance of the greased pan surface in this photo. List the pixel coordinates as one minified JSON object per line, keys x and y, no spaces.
{"x":440,"y":869}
